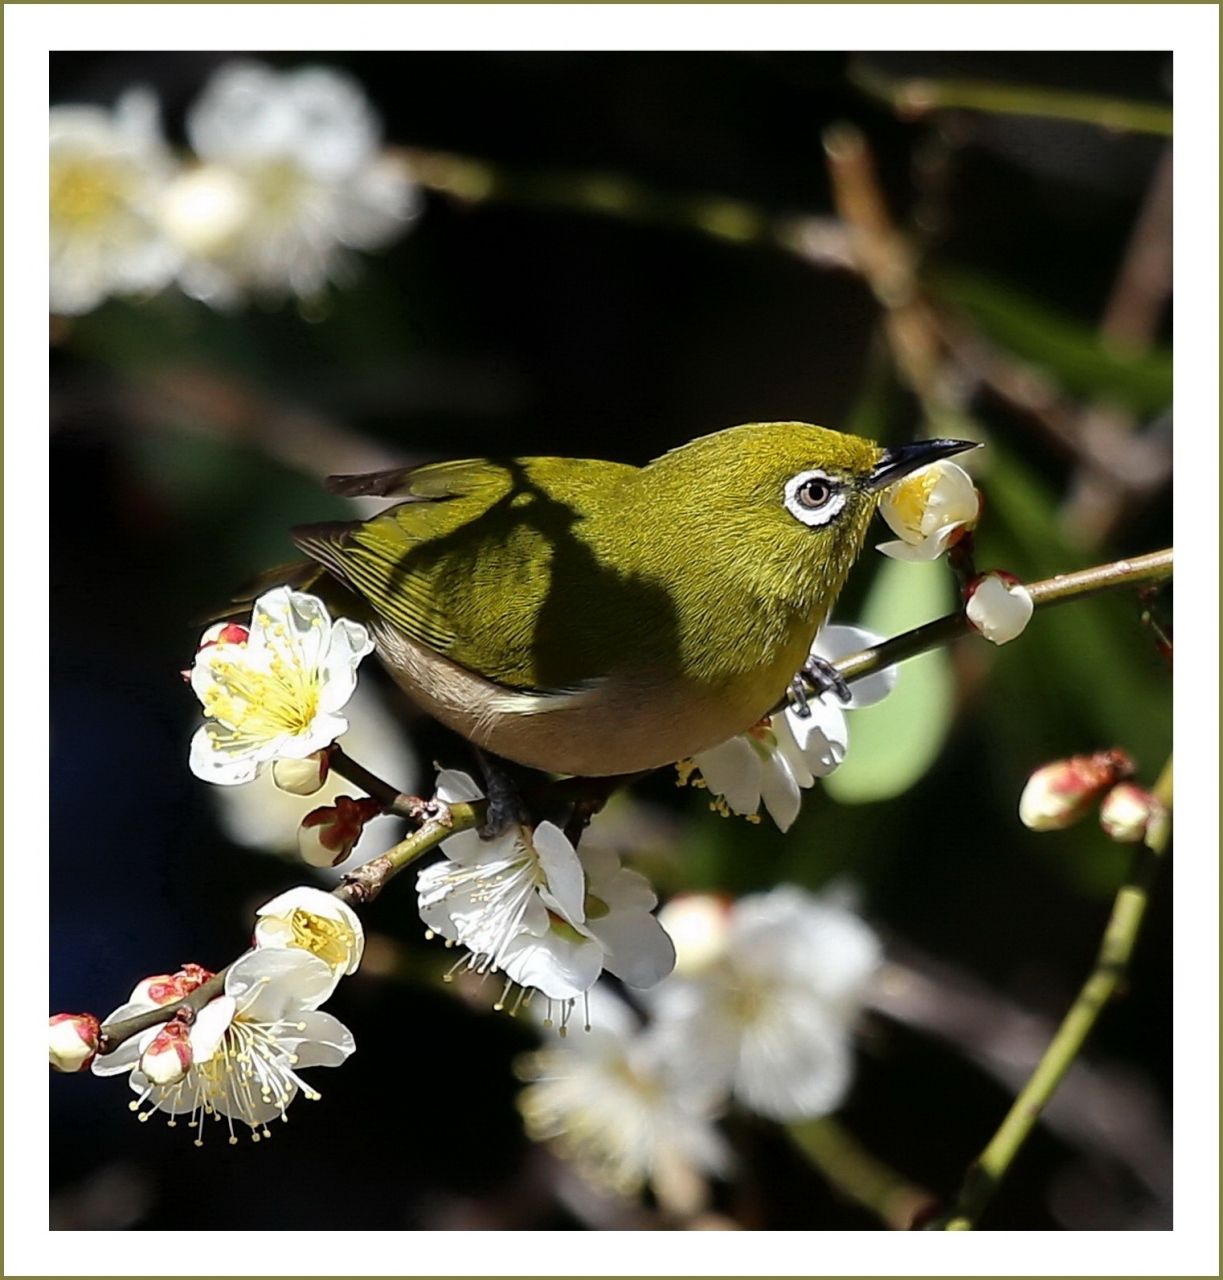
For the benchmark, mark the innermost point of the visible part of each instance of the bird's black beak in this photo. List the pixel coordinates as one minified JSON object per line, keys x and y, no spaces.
{"x":896,"y":463}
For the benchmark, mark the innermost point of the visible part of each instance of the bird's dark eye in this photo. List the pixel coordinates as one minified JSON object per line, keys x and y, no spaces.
{"x":814,"y":493}
{"x":814,"y":497}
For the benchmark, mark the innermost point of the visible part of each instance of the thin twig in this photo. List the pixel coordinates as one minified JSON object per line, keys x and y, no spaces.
{"x":913,"y":98}
{"x":1101,"y":1107}
{"x":1064,"y":587}
{"x":856,"y":1173}
{"x":1100,"y":495}
{"x":361,"y":885}
{"x":115,"y":1033}
{"x":364,"y":883}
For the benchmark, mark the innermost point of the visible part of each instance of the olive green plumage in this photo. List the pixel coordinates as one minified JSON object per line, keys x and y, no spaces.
{"x":586,"y":616}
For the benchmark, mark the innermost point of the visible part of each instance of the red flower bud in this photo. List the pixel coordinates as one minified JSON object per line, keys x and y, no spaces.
{"x":1060,"y":793}
{"x":327,"y":835}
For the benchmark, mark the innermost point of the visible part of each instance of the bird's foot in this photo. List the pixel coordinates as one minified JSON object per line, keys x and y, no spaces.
{"x":506,"y":807}
{"x":824,"y":677}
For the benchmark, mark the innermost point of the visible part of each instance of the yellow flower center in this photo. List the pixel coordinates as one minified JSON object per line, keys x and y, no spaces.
{"x":264,"y":702}
{"x":910,"y":499}
{"x":85,"y":193}
{"x":279,"y":186}
{"x":331,"y":940}
{"x":747,"y":1000}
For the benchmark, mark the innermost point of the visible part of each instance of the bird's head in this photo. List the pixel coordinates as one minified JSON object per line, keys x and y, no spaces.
{"x":788,"y":500}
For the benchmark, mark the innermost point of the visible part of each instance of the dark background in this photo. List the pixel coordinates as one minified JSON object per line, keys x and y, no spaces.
{"x":513,"y":326}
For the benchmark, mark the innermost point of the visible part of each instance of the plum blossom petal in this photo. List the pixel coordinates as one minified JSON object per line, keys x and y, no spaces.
{"x":107,"y":170}
{"x":609,"y":1100}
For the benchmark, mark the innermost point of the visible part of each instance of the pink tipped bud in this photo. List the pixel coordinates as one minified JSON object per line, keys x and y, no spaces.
{"x":224,"y":633}
{"x":327,"y":835}
{"x":74,"y":1041}
{"x":1059,"y":794}
{"x":167,"y":1057}
{"x":998,"y":605}
{"x":1129,"y":814}
{"x":302,"y":777}
{"x":165,"y":988}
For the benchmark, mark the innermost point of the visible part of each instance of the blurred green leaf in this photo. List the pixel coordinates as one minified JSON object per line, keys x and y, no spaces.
{"x":1069,"y":351}
{"x":893,"y":743}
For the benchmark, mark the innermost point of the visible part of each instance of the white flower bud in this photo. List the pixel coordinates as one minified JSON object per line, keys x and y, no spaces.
{"x":302,"y":777}
{"x":167,"y":1057}
{"x":999,"y":606}
{"x":1130,"y":814}
{"x":73,"y":1040}
{"x":929,"y":510}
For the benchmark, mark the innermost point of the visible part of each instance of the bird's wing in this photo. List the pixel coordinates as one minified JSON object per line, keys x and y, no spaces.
{"x":466,"y":562}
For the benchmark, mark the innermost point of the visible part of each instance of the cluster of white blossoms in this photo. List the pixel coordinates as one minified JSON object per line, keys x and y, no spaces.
{"x":287,"y":174}
{"x":760,"y":1010}
{"x":237,"y":1058}
{"x":549,"y":917}
{"x":757,"y":1009}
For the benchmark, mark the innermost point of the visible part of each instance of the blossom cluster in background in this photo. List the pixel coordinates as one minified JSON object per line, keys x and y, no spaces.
{"x":759,"y":1011}
{"x":285,"y":175}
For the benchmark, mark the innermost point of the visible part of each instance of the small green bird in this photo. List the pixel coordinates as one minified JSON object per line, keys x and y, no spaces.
{"x":593,"y":618}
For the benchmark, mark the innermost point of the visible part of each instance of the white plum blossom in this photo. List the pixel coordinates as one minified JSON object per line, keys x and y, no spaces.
{"x":314,"y":921}
{"x":765,"y":1008}
{"x":291,"y":174}
{"x":526,"y":904}
{"x":275,"y":689}
{"x":784,"y":753}
{"x":610,"y":1101}
{"x":244,"y":1048}
{"x":999,"y":606}
{"x":928,"y":510}
{"x":108,"y":170}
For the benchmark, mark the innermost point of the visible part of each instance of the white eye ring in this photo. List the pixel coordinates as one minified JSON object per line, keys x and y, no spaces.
{"x":804,"y":501}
